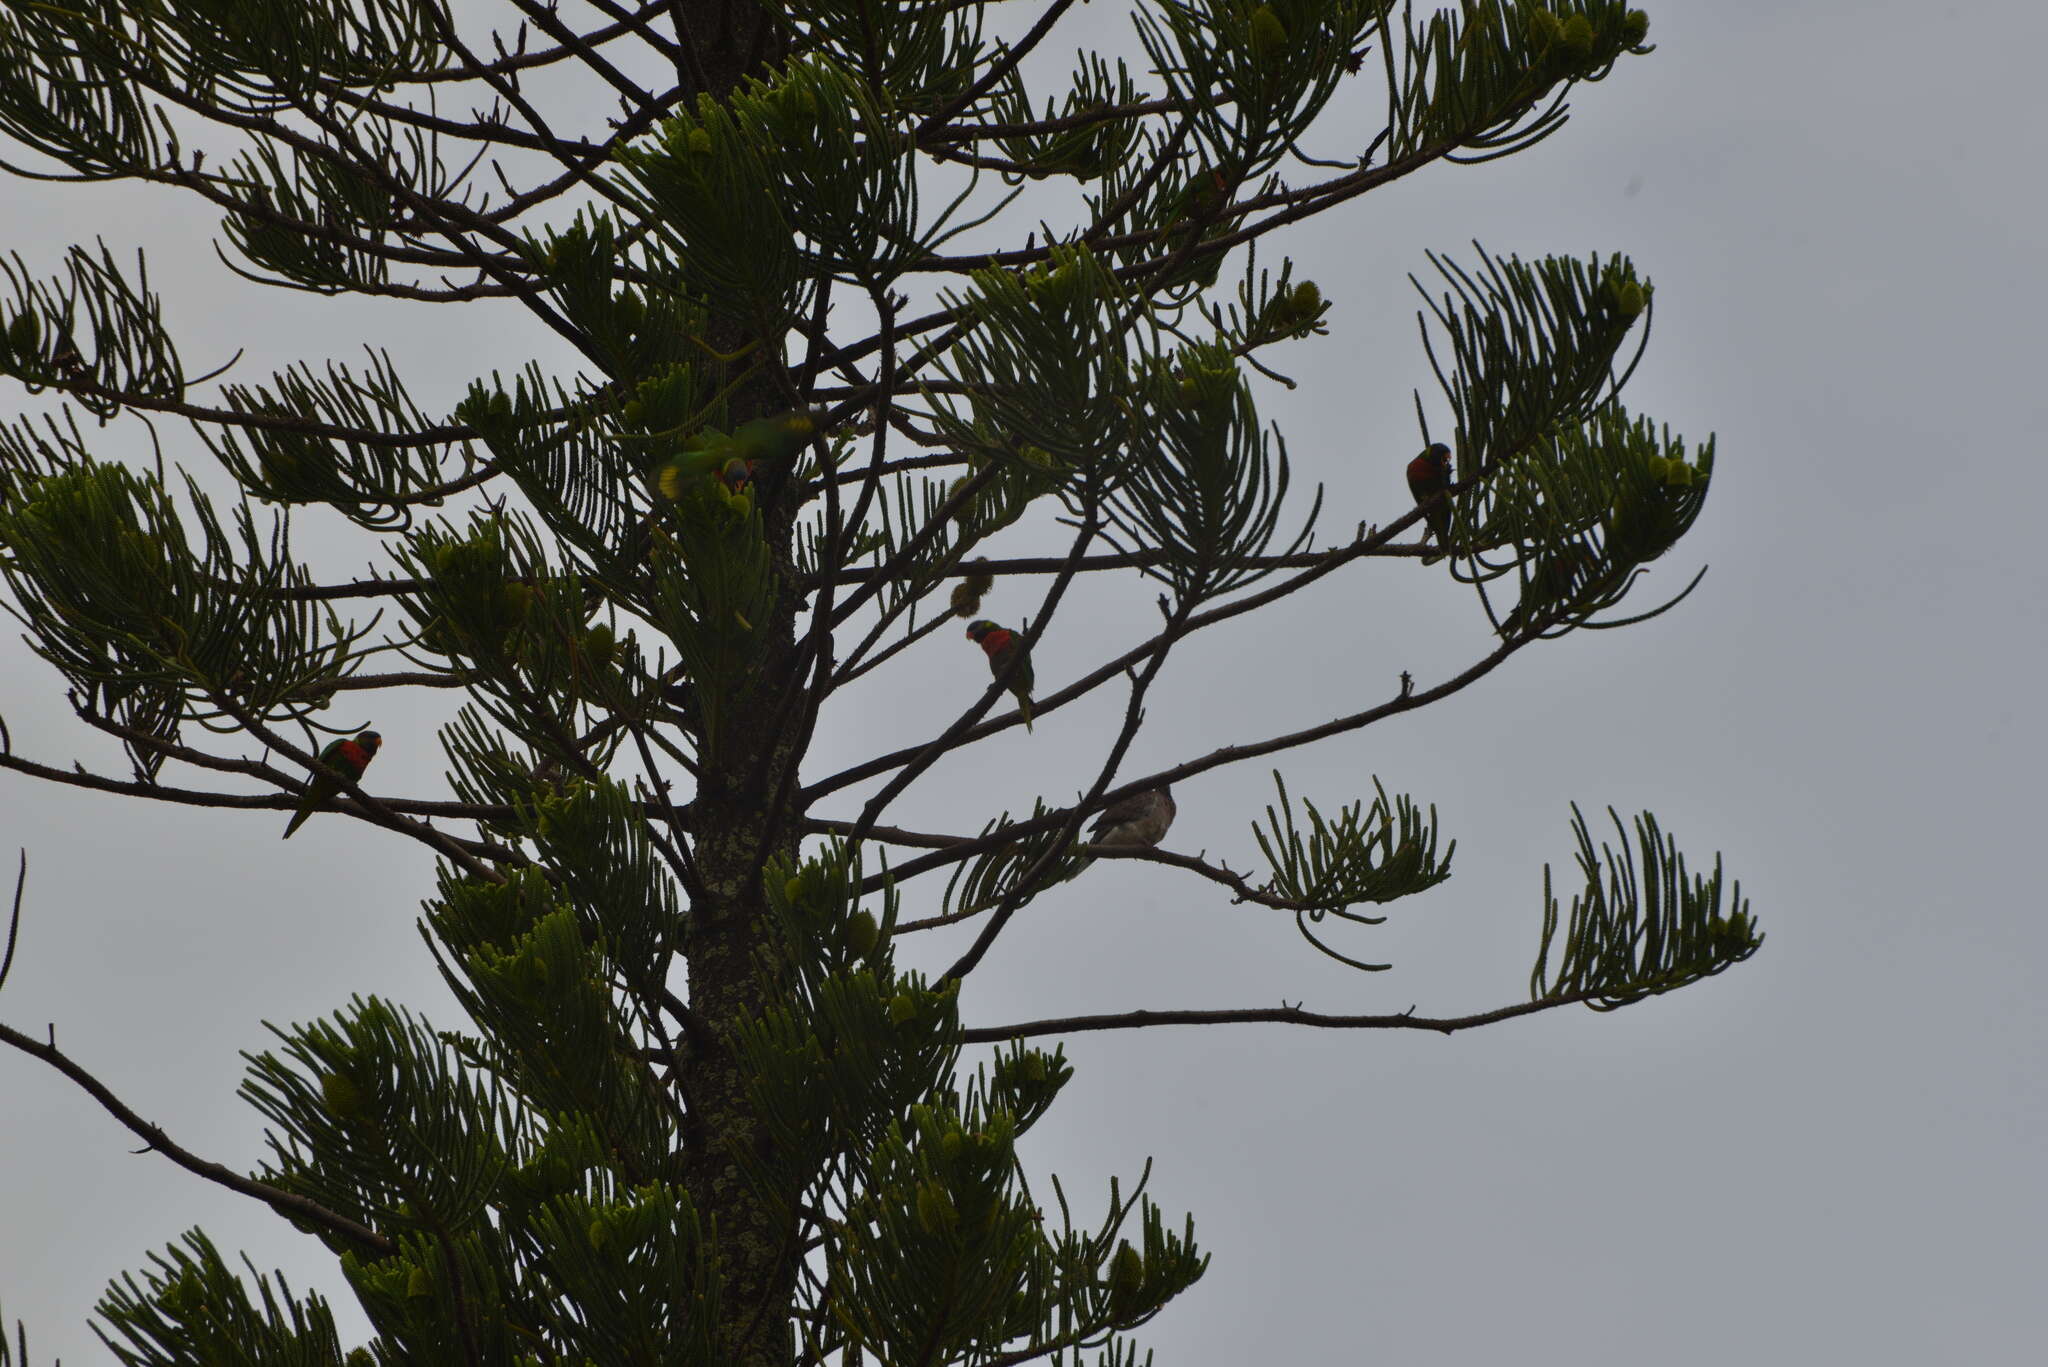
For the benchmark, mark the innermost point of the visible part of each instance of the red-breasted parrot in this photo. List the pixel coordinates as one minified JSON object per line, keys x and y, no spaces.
{"x":350,"y":755}
{"x":1140,"y":819}
{"x":1429,"y":475}
{"x":1003,"y":645}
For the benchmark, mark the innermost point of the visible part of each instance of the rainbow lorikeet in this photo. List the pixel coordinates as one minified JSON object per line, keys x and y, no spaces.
{"x":1002,"y":646}
{"x":350,"y":755}
{"x":1429,"y":475}
{"x":1140,"y":819}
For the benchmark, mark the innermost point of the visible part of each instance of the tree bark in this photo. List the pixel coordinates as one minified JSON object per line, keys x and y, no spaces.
{"x":729,"y":926}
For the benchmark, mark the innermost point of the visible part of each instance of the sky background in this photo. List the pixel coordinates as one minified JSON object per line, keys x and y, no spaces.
{"x":1832,"y":1152}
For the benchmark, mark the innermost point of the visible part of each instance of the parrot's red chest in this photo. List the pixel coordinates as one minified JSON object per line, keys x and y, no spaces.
{"x":995,"y":641}
{"x":353,"y":757}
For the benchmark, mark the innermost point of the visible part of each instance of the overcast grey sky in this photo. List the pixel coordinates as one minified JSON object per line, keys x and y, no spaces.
{"x":1830,"y":1153}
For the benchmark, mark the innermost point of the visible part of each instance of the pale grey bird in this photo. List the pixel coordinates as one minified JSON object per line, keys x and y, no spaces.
{"x":1140,"y":819}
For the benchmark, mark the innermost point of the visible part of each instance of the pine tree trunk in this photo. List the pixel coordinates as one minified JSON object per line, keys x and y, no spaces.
{"x":730,"y":982}
{"x":729,"y":927}
{"x":756,"y":1243}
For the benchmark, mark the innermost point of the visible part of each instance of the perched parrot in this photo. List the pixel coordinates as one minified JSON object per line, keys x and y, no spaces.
{"x":1429,"y":474}
{"x":1003,"y":645}
{"x":1140,"y":819}
{"x":349,"y":755}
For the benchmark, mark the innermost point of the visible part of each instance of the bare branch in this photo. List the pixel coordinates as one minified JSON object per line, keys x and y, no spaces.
{"x":1134,"y":560}
{"x":1268,"y":1015}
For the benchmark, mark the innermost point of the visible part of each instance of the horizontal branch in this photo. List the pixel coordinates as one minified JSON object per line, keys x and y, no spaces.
{"x":1294,"y":204}
{"x":1005,"y":63}
{"x":1193,"y":864}
{"x":278,"y":802}
{"x":1268,"y":1015}
{"x":275,"y":422}
{"x":1130,"y":560}
{"x":928,"y":840}
{"x":1065,"y":123}
{"x":1215,"y":873}
{"x":286,"y":1203}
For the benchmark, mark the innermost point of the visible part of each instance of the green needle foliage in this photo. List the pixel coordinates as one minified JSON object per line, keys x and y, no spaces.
{"x":869,"y":318}
{"x":1642,"y":926}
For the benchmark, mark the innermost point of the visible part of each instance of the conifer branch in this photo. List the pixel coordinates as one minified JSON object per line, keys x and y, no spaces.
{"x":79,"y":777}
{"x":286,"y":1203}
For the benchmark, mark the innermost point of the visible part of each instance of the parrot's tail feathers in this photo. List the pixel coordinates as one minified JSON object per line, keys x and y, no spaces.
{"x":1024,"y":706}
{"x":296,"y":822}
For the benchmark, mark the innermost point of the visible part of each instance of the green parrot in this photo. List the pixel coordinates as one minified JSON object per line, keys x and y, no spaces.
{"x":774,"y":442}
{"x":1003,"y":645}
{"x":350,"y":755}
